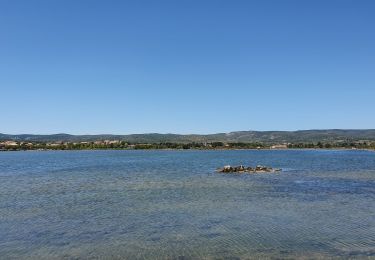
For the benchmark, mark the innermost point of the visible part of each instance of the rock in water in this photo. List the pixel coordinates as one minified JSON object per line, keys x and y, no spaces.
{"x":261,"y":168}
{"x":243,"y":169}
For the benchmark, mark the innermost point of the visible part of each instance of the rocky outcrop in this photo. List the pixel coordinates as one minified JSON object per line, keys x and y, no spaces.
{"x":243,"y":169}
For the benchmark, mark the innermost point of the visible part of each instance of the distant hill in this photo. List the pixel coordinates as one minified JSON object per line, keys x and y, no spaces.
{"x":332,"y":135}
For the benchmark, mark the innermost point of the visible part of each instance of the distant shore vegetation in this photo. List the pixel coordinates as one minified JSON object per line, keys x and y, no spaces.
{"x":124,"y":145}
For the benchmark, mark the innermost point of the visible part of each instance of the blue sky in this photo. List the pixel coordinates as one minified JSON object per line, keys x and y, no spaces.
{"x":88,"y":67}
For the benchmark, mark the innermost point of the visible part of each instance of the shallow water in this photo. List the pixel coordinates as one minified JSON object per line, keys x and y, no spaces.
{"x":172,"y":204}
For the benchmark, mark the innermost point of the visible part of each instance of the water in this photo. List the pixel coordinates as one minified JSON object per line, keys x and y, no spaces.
{"x":172,"y":205}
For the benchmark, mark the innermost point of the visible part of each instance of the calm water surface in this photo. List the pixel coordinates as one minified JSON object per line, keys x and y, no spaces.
{"x":172,"y":205}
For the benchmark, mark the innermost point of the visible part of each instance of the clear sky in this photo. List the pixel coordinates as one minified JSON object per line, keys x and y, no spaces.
{"x":88,"y":67}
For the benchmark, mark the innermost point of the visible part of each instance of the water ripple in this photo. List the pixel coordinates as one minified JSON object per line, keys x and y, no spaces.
{"x":172,"y":205}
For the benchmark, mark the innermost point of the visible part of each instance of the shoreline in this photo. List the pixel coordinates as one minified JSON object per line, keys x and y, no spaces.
{"x":192,"y":149}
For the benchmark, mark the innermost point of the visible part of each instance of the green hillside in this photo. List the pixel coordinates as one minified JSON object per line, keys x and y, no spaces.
{"x":333,"y":135}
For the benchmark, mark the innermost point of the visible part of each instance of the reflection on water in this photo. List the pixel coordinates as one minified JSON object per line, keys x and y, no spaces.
{"x":171,"y":204}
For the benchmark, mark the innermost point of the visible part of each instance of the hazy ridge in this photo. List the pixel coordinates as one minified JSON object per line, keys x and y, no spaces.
{"x":330,"y":135}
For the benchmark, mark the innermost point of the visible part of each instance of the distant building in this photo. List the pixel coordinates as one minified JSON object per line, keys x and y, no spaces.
{"x":54,"y":144}
{"x":279,"y":146}
{"x":10,"y":143}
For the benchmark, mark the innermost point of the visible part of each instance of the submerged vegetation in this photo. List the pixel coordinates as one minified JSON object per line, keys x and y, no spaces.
{"x":124,"y":145}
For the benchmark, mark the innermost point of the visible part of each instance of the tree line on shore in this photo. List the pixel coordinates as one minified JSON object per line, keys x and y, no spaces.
{"x":120,"y":145}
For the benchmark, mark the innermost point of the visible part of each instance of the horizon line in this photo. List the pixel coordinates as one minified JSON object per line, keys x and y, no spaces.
{"x":160,"y":133}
